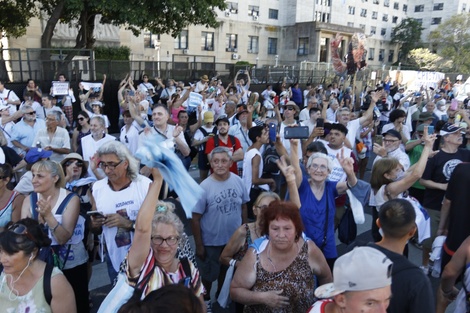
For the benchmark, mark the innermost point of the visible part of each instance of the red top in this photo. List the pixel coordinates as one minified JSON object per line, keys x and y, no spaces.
{"x":210,"y":146}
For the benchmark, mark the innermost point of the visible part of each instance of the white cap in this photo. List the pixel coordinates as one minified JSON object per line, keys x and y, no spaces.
{"x":364,"y":268}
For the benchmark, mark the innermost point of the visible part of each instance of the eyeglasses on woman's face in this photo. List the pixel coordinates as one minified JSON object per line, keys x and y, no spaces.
{"x":77,"y":163}
{"x":171,"y":241}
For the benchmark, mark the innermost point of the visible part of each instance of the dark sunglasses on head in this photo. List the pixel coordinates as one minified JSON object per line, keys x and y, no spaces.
{"x":21,"y":229}
{"x":78,"y":163}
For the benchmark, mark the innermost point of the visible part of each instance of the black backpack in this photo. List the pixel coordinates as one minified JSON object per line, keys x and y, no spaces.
{"x":270,"y":157}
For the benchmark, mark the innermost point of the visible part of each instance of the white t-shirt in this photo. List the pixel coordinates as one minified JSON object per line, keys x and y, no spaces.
{"x":304,"y":114}
{"x":129,"y":200}
{"x":247,"y":169}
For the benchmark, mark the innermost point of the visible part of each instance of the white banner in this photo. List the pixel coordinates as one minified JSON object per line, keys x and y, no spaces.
{"x":60,"y":88}
{"x":413,"y":80}
{"x":95,"y":87}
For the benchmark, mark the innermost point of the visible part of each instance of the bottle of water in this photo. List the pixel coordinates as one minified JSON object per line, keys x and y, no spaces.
{"x":38,"y":145}
{"x":436,"y":268}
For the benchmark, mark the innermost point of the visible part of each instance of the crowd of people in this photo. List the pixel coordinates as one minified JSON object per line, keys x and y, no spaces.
{"x":270,"y":203}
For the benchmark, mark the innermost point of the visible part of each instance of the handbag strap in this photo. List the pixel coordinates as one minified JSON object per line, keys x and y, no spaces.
{"x":325,"y":227}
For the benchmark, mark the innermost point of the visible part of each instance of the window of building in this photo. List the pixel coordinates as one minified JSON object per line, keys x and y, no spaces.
{"x":181,"y":42}
{"x":381,"y":55}
{"x":322,"y":17}
{"x":207,"y":41}
{"x":352,"y":10}
{"x":253,"y":10}
{"x":303,"y":46}
{"x":376,"y":2}
{"x":405,"y":8}
{"x":272,"y":45}
{"x":386,"y":3}
{"x":419,"y":20}
{"x":273,"y":14}
{"x":383,"y":31}
{"x":371,"y":53}
{"x":231,"y":42}
{"x":464,"y":7}
{"x":438,"y":7}
{"x":149,"y":40}
{"x":395,"y":19}
{"x":362,"y":26}
{"x":373,"y":30}
{"x":374,"y":15}
{"x":323,"y":2}
{"x":253,"y":44}
{"x":364,"y":12}
{"x":419,"y":8}
{"x":385,"y":18}
{"x":350,"y":24}
{"x":396,"y":6}
{"x":436,"y":20}
{"x":232,"y":7}
{"x":390,"y":56}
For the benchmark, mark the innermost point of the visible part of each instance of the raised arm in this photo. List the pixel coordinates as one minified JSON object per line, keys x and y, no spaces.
{"x":369,"y":114}
{"x":414,"y":173}
{"x":289,"y":173}
{"x":143,"y":226}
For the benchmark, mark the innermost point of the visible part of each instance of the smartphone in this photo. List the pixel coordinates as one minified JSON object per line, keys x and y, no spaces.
{"x":297,"y":132}
{"x":320,"y":122}
{"x":272,"y":132}
{"x":379,"y":139}
{"x":96,"y":214}
{"x":430,"y":130}
{"x":454,"y":104}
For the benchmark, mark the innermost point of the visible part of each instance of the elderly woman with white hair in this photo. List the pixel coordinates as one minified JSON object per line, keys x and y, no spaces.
{"x":317,"y":197}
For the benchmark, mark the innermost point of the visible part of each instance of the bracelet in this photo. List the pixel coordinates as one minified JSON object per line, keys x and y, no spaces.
{"x":348,"y":185}
{"x":53,"y":229}
{"x":446,"y":294}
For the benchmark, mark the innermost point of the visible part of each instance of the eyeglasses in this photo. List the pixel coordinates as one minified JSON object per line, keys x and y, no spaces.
{"x":171,"y":241}
{"x":81,"y":118}
{"x":21,"y":229}
{"x":317,"y":167}
{"x":391,"y":140}
{"x":178,"y":89}
{"x":30,"y":113}
{"x":262,"y":207}
{"x":109,"y":166}
{"x":77,"y":163}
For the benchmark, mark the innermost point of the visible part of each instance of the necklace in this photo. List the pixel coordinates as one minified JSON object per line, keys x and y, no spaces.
{"x":268,"y":256}
{"x":256,"y":230}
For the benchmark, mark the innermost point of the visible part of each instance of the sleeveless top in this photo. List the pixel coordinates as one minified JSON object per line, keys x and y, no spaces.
{"x":6,"y":211}
{"x":33,"y":301}
{"x":175,"y":111}
{"x":297,"y":281}
{"x":81,"y":135}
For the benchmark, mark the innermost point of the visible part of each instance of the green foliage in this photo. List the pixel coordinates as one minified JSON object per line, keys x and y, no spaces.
{"x":15,"y":16}
{"x":451,"y":40}
{"x":407,"y":34}
{"x":112,"y":53}
{"x":243,"y":63}
{"x":424,"y":59}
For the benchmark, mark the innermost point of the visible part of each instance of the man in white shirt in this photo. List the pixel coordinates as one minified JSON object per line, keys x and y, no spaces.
{"x":391,"y":148}
{"x":305,"y":113}
{"x":8,"y":97}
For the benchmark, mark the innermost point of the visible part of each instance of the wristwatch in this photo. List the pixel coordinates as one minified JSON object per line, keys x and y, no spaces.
{"x":133,"y":226}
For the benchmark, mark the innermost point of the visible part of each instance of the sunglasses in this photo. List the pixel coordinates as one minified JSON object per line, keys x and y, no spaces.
{"x":77,"y":163}
{"x":81,"y":118}
{"x":21,"y":229}
{"x":290,"y":109}
{"x":30,"y":113}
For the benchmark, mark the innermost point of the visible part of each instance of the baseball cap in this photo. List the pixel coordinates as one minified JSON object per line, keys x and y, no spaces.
{"x":424,"y":116}
{"x":240,"y":113}
{"x":449,"y":129}
{"x":35,"y":154}
{"x":437,"y":96}
{"x":364,"y":268}
{"x":392,"y":132}
{"x":208,"y":117}
{"x":222,"y":118}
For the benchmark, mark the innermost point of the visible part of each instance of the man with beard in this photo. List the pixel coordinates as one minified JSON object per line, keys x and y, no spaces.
{"x":91,"y":143}
{"x":240,"y":131}
{"x":436,"y":176}
{"x":223,"y":139}
{"x":23,"y":132}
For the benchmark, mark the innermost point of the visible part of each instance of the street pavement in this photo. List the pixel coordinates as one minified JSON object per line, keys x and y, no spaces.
{"x":100,"y":284}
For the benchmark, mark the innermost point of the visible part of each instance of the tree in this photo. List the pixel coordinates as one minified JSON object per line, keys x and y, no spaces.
{"x":451,"y":40}
{"x":408,"y":35}
{"x":424,"y":59}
